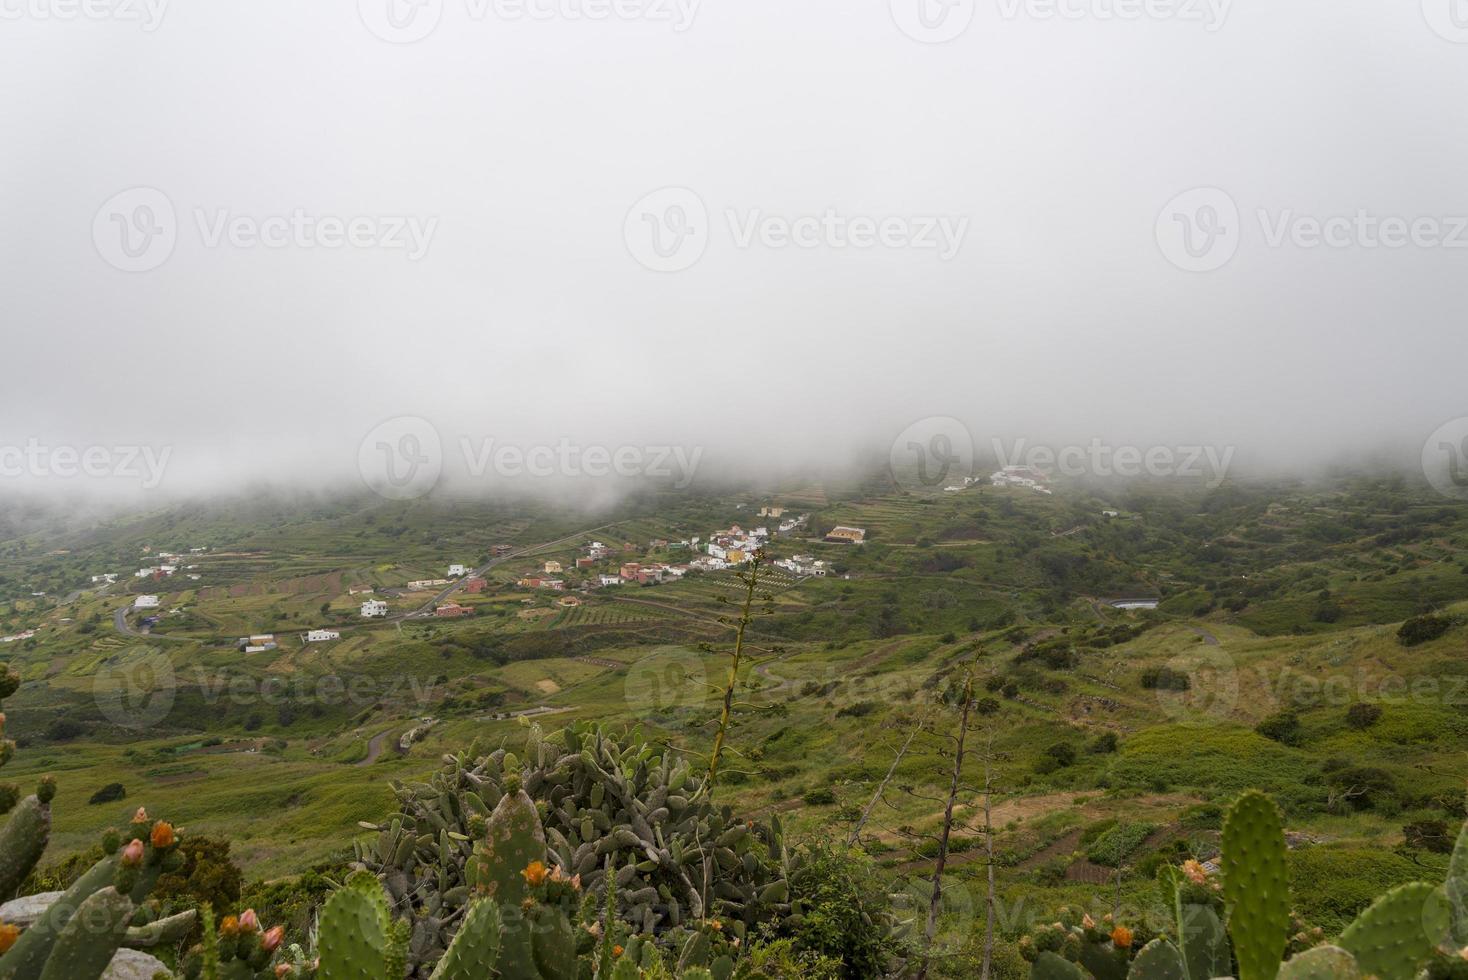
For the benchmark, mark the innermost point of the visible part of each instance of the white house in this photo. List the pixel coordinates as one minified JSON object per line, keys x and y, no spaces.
{"x":374,"y":608}
{"x":105,"y":579}
{"x":457,"y":571}
{"x":146,"y":602}
{"x":322,"y":636}
{"x":611,"y":580}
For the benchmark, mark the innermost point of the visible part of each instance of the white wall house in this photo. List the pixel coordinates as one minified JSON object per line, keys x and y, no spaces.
{"x":146,"y":602}
{"x":322,"y":636}
{"x":374,"y":608}
{"x":457,"y":571}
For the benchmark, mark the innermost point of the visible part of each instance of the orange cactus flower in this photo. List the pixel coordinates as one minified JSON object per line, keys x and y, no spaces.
{"x":8,"y":935}
{"x":716,"y":925}
{"x":1196,"y":873}
{"x":535,"y":874}
{"x":162,"y":835}
{"x":617,"y":951}
{"x":229,"y":926}
{"x":1122,"y":936}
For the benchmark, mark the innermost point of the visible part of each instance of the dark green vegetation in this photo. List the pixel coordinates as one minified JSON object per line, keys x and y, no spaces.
{"x":1309,"y":642}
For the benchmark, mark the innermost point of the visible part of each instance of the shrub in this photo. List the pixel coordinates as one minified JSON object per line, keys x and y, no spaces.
{"x":110,"y":793}
{"x":1362,"y":715}
{"x":1117,"y":844}
{"x":1283,"y":728}
{"x":1433,"y":836}
{"x":1421,"y":629}
{"x":820,"y":796}
{"x":1165,"y":679}
{"x":843,"y":896}
{"x":207,"y":877}
{"x":1363,"y":787}
{"x":1104,"y":744}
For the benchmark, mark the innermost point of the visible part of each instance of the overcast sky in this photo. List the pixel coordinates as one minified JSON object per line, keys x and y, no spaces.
{"x":1070,"y":220}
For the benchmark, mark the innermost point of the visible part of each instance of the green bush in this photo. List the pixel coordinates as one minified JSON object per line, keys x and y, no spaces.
{"x":1422,"y":629}
{"x":843,"y":895}
{"x":110,"y":793}
{"x":1362,"y":715}
{"x":1117,"y":844}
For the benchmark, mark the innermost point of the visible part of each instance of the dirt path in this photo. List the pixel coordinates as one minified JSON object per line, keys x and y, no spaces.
{"x":374,"y":747}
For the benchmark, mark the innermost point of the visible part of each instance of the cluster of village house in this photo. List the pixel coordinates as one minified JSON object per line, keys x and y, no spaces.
{"x":723,"y":549}
{"x":1009,"y":476}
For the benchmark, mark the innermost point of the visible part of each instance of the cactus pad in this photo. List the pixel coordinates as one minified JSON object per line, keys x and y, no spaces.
{"x":1256,"y":885}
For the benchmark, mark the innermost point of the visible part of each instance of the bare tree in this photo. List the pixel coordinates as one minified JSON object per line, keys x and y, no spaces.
{"x":954,"y":750}
{"x":882,"y":787}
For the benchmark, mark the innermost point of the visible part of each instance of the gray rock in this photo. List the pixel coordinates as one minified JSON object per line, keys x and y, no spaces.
{"x":25,"y":911}
{"x":130,"y":964}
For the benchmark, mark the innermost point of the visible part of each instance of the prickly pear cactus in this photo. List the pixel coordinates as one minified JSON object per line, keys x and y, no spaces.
{"x":356,"y":931}
{"x":1321,"y":963}
{"x":609,"y":806}
{"x":1456,"y":889}
{"x":1158,"y":960}
{"x":1256,"y":885}
{"x":476,"y":945}
{"x":1393,"y":937}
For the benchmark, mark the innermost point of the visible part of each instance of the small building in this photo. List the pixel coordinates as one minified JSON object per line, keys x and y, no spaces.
{"x":501,"y":549}
{"x":457,"y":571}
{"x":1111,"y":513}
{"x":607,"y":580}
{"x":772,"y":512}
{"x":531,"y":582}
{"x":582,"y":563}
{"x":476,"y":585}
{"x":452,"y":610}
{"x":374,"y":609}
{"x":569,"y":601}
{"x":322,"y":636}
{"x":423,"y":585}
{"x":553,"y":583}
{"x":552,"y":568}
{"x":359,"y":590}
{"x":841,"y":534}
{"x":146,"y":602}
{"x":630,"y":570}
